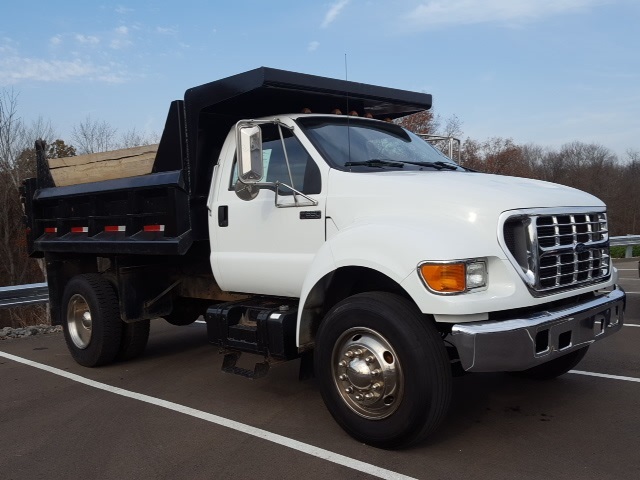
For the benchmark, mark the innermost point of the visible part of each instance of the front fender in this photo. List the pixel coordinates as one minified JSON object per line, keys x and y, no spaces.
{"x":393,"y":247}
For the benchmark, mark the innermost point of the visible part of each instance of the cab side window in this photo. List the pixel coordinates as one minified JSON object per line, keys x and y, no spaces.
{"x":305,"y":174}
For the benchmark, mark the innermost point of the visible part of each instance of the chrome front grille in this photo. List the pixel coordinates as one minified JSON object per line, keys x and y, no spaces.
{"x":567,"y":230}
{"x":559,"y":251}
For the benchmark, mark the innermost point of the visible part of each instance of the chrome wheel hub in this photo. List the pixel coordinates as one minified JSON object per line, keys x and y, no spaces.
{"x":367,"y":373}
{"x":79,"y":321}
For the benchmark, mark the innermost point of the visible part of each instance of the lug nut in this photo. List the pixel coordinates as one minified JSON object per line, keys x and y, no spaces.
{"x":359,"y":397}
{"x":343,"y":363}
{"x":376,"y":372}
{"x":348,"y":390}
{"x":376,"y":386}
{"x":368,"y":396}
{"x":349,"y":354}
{"x":369,"y":359}
{"x":358,"y":352}
{"x":342,"y":377}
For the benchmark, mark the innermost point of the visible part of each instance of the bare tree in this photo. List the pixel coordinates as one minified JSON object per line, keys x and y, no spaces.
{"x":422,"y":122}
{"x":134,"y":138}
{"x":12,"y":132}
{"x":496,"y":155}
{"x":429,"y":123}
{"x":532,"y":156}
{"x":628,"y":200}
{"x":633,"y":155}
{"x":93,"y":136}
{"x":452,"y":127}
{"x":16,"y":267}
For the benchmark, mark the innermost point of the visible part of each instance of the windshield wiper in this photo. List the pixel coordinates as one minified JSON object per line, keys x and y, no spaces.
{"x":439,"y":165}
{"x":376,"y":163}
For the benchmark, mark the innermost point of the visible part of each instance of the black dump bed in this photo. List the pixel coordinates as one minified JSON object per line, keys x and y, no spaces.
{"x":164,"y":212}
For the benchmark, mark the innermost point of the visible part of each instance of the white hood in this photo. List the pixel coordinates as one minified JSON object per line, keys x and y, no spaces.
{"x":427,"y":195}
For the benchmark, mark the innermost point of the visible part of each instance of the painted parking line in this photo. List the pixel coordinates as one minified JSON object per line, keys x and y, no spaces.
{"x":604,"y":375}
{"x":631,"y":325}
{"x":224,"y":422}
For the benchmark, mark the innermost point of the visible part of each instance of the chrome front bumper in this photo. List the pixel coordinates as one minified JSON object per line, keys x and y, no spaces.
{"x":524,"y":342}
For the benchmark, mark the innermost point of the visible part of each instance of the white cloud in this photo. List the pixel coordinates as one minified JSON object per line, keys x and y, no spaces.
{"x":465,"y":12}
{"x":87,"y":39}
{"x":121,"y":39}
{"x":167,"y":30}
{"x":333,"y":12}
{"x":313,"y":46}
{"x":120,"y":43}
{"x":123,"y":10}
{"x":55,"y":40}
{"x":14,"y":69}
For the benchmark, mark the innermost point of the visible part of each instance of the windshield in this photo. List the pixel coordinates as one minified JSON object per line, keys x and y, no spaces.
{"x":363,"y":145}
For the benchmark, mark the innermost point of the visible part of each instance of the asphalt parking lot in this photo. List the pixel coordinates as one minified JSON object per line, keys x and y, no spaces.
{"x":174,"y":414}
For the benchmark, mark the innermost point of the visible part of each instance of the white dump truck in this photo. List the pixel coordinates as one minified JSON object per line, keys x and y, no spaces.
{"x":345,"y":241}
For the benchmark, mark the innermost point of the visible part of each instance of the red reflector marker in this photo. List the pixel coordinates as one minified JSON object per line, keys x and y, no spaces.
{"x":79,"y":229}
{"x":153,"y":228}
{"x":50,"y":230}
{"x":114,"y":228}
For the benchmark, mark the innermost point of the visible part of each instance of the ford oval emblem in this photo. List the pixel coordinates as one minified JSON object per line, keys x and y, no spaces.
{"x":580,"y":248}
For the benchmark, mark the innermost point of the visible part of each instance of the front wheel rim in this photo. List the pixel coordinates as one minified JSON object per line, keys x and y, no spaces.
{"x":79,"y":321}
{"x":367,"y":373}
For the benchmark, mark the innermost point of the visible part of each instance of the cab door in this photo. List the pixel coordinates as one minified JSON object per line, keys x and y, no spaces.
{"x":256,"y":246}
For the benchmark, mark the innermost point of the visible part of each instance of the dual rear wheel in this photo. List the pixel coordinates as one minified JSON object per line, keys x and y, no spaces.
{"x":93,"y":330}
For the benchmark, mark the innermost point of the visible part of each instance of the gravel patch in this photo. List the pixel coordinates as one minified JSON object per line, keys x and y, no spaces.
{"x":8,"y":332}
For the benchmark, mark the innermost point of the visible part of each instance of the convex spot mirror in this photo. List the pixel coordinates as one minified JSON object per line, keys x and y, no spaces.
{"x":250,"y":166}
{"x":246,"y":191}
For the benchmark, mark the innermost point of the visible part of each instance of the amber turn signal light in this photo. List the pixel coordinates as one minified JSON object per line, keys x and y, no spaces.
{"x":444,"y":277}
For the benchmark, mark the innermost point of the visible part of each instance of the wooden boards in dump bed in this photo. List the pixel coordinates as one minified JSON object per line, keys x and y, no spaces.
{"x":95,"y":167}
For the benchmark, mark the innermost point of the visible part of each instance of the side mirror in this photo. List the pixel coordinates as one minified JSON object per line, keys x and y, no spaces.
{"x":249,"y":154}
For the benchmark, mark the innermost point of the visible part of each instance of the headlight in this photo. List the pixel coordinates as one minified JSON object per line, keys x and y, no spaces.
{"x":459,"y":276}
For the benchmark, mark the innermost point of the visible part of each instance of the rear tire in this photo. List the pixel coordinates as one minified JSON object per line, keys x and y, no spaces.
{"x":383,"y":370}
{"x":556,"y":367}
{"x":91,"y":323}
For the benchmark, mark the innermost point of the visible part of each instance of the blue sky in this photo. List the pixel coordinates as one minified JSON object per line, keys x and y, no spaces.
{"x":541,"y":71}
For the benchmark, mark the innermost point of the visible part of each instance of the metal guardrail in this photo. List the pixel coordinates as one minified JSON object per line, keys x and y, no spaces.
{"x":38,"y":293}
{"x":627,"y":241}
{"x":17,"y":295}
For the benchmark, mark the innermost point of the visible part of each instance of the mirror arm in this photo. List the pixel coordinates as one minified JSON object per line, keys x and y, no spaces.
{"x":312,"y":202}
{"x":286,"y":161}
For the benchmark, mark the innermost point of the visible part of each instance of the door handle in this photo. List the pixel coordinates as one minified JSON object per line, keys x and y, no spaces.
{"x":223,"y":216}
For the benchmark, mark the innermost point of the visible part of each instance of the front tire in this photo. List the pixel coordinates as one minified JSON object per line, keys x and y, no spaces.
{"x":92,"y":325}
{"x":383,"y":370}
